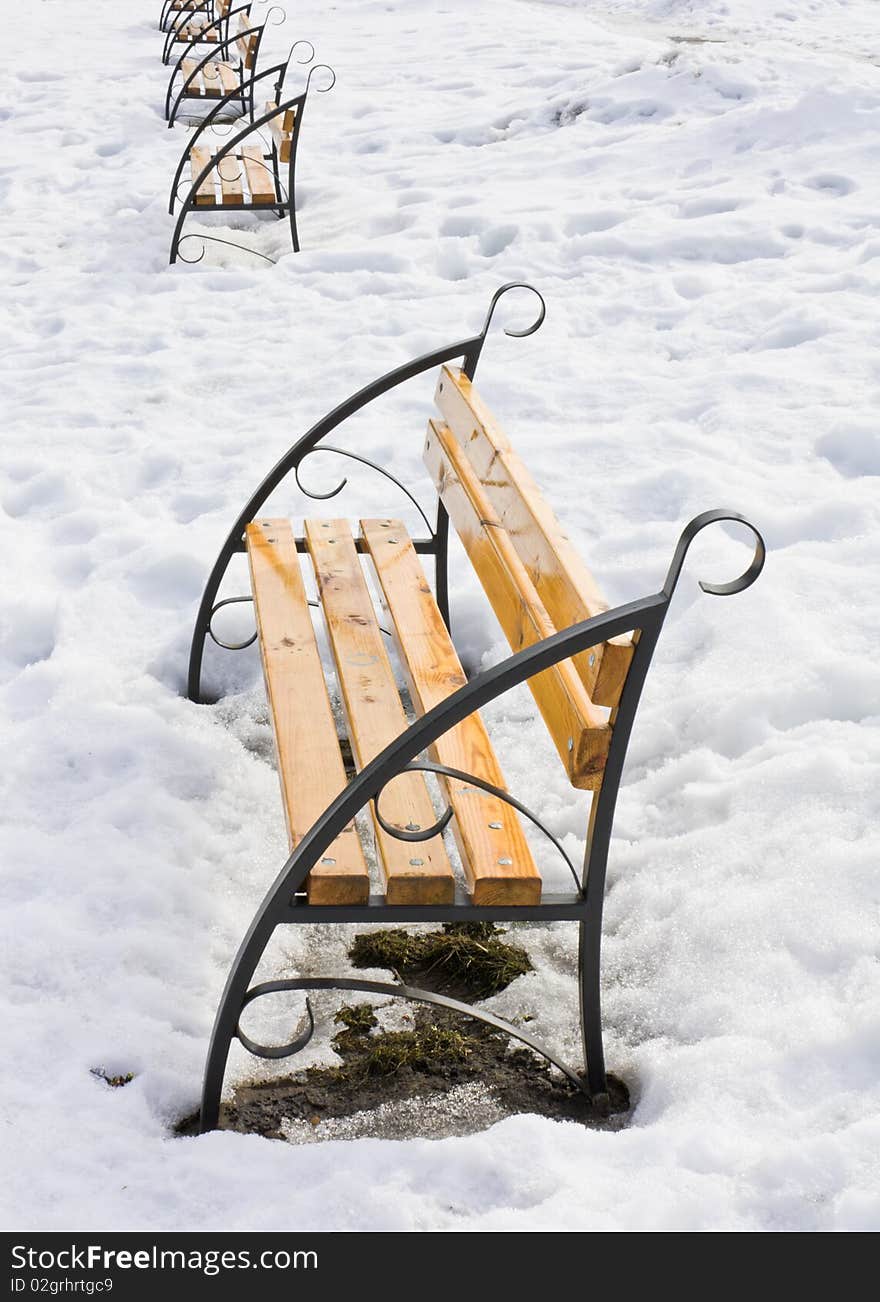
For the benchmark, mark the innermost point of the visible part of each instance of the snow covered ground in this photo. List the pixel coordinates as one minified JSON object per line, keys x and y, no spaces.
{"x":695,"y":189}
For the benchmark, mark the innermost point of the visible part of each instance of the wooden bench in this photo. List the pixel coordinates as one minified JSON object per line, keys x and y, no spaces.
{"x":223,"y":69}
{"x":255,"y":167}
{"x":371,"y":844}
{"x":208,"y":25}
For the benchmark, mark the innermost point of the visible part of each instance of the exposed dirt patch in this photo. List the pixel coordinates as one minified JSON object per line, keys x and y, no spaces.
{"x":441,"y":1075}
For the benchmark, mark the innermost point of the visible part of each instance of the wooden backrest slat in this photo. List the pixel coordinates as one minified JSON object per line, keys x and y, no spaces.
{"x":281,"y":126}
{"x":579,"y":729}
{"x":247,"y":45}
{"x":564,"y":584}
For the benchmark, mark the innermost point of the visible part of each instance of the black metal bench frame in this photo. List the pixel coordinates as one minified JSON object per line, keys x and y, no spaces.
{"x":286,"y":901}
{"x":285,"y":192}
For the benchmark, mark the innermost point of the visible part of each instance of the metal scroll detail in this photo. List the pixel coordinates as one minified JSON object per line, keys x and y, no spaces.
{"x":401,"y":991}
{"x":364,"y":461}
{"x":443,"y":770}
{"x":215,"y":239}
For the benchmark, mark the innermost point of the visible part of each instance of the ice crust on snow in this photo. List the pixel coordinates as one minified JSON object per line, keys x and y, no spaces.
{"x":693,"y":187}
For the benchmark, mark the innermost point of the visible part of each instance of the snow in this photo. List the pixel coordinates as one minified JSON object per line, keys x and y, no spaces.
{"x":703,"y":217}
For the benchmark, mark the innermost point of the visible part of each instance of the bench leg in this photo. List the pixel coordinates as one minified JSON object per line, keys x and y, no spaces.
{"x":589,"y":950}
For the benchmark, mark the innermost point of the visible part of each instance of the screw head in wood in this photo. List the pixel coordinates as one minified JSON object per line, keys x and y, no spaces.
{"x":496,"y":826}
{"x":328,"y":860}
{"x":416,"y":863}
{"x":505,"y":862}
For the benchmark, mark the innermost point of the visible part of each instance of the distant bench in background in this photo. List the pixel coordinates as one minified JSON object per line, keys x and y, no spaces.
{"x":255,"y":167}
{"x":194,"y":28}
{"x":222,"y":70}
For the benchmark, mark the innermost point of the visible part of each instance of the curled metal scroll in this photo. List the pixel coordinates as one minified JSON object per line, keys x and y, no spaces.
{"x":230,"y":646}
{"x":320,"y":90}
{"x":215,"y":239}
{"x":516,"y":334}
{"x":364,"y":461}
{"x":241,"y":646}
{"x":275,"y":9}
{"x":303,"y":61}
{"x":425,"y":834}
{"x":689,"y":533}
{"x":400,"y":991}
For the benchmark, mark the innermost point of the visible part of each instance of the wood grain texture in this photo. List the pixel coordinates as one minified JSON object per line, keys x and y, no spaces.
{"x":187,"y":68}
{"x":281,"y":126}
{"x":580,"y":732}
{"x":228,"y":77}
{"x":566,"y":587}
{"x":231,"y":172}
{"x":261,"y":183}
{"x":310,"y":765}
{"x":199,"y":158}
{"x":415,"y":872}
{"x":495,"y":853}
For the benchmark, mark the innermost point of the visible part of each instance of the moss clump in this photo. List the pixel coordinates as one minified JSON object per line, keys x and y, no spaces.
{"x":466,"y":955}
{"x":358,"y":1018}
{"x":427,"y":1048}
{"x":115,"y":1082}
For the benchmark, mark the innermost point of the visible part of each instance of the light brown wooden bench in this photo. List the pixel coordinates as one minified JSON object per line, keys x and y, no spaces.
{"x":255,"y":166}
{"x":536,"y":583}
{"x":395,"y":801}
{"x":212,"y":69}
{"x":205,"y":26}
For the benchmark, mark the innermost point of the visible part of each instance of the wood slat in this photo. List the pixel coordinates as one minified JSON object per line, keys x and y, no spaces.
{"x":260,"y":181}
{"x":567,"y":589}
{"x":187,"y":68}
{"x":231,"y":173}
{"x":281,"y":127}
{"x":212,"y":78}
{"x":247,"y":45}
{"x":228,"y":78}
{"x":415,"y":872}
{"x":580,"y":732}
{"x":310,"y":764}
{"x":495,"y":853}
{"x":199,"y":158}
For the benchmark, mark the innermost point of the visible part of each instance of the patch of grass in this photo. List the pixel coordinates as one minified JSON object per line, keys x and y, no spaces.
{"x":115,"y":1082}
{"x":359,"y":1018}
{"x":470,"y":955}
{"x":428,"y":1048}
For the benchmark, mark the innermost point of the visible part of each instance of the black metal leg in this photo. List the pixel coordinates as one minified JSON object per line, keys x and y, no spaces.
{"x":591,"y":1011}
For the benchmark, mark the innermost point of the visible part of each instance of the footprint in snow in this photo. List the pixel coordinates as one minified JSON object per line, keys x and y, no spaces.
{"x":830,"y":184}
{"x":853,"y":451}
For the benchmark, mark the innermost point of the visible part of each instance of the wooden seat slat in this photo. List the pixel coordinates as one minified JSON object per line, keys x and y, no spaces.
{"x":261,"y":182}
{"x":231,"y":172}
{"x":228,"y":77}
{"x":310,"y":765}
{"x":198,"y":159}
{"x":187,"y":68}
{"x":212,"y":80}
{"x":579,"y":730}
{"x":495,"y":854}
{"x":561,"y":579}
{"x":415,"y":872}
